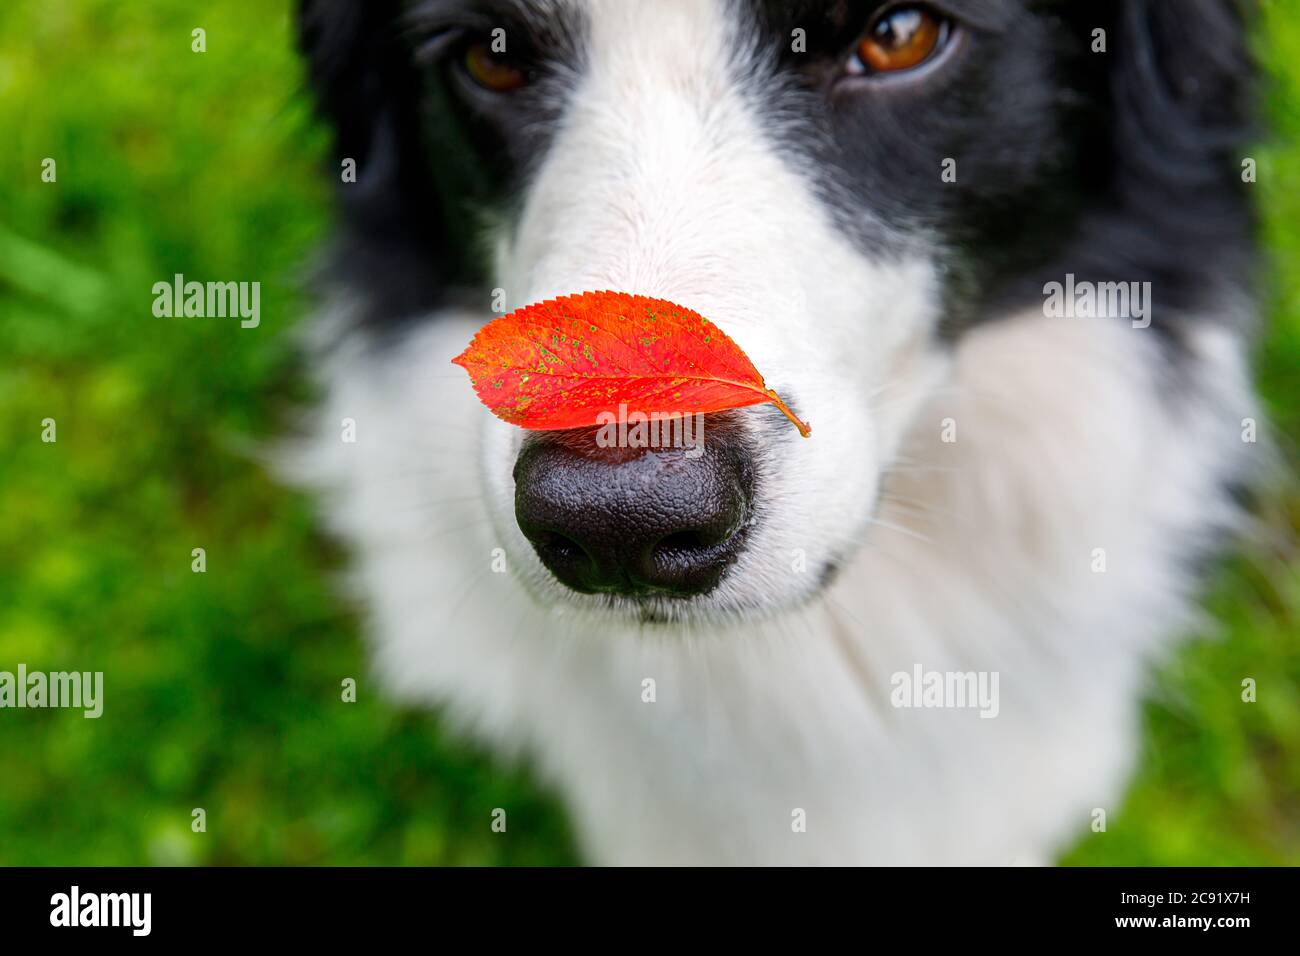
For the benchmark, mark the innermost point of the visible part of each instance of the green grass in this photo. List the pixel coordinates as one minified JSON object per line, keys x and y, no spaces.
{"x":223,"y":688}
{"x":1219,"y":782}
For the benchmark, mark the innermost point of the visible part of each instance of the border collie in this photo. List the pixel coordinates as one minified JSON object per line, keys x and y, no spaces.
{"x":783,"y":650}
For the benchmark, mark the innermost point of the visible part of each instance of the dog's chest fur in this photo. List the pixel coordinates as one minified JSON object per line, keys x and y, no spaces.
{"x":1065,"y":445}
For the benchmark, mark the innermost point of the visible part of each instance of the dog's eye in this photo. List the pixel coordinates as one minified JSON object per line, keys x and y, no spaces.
{"x":899,"y":39}
{"x":493,"y":71}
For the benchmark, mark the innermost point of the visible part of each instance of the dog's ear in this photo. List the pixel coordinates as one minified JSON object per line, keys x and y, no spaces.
{"x":1182,"y":83}
{"x":1164,"y":147}
{"x":395,"y":241}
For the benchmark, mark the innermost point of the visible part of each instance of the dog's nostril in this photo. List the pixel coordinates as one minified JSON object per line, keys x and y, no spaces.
{"x":633,"y":523}
{"x":559,"y":545}
{"x":680,"y":542}
{"x":562,"y":554}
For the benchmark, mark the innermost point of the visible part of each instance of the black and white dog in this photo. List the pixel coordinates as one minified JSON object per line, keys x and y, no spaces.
{"x":997,"y":252}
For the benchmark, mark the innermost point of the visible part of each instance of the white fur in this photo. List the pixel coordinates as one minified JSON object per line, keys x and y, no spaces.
{"x":772,"y":695}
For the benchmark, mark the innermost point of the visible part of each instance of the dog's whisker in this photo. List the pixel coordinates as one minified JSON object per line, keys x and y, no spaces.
{"x":890,"y":526}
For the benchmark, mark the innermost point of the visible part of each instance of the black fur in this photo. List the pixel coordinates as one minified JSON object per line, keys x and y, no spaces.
{"x":397,"y":248}
{"x":1121,"y":166}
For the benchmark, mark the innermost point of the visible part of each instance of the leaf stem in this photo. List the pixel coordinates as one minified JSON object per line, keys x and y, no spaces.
{"x":804,"y":429}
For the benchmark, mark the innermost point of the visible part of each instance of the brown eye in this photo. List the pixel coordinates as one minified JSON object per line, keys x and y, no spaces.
{"x":493,"y":71}
{"x":900,"y":39}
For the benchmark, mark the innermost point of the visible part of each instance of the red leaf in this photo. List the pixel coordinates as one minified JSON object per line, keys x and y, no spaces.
{"x":560,"y":363}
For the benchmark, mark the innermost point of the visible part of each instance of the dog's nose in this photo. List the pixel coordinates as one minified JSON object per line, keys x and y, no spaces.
{"x":624,"y":521}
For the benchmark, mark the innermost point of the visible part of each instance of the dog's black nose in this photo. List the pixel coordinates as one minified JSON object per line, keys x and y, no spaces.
{"x":633,"y":521}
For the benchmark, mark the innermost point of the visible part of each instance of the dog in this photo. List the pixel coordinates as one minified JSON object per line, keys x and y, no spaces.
{"x":771,"y":652}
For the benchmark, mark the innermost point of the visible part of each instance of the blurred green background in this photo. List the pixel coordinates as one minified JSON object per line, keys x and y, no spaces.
{"x":222,"y":689}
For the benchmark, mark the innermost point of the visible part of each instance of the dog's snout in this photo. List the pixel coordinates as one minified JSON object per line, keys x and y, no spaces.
{"x":633,"y":522}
